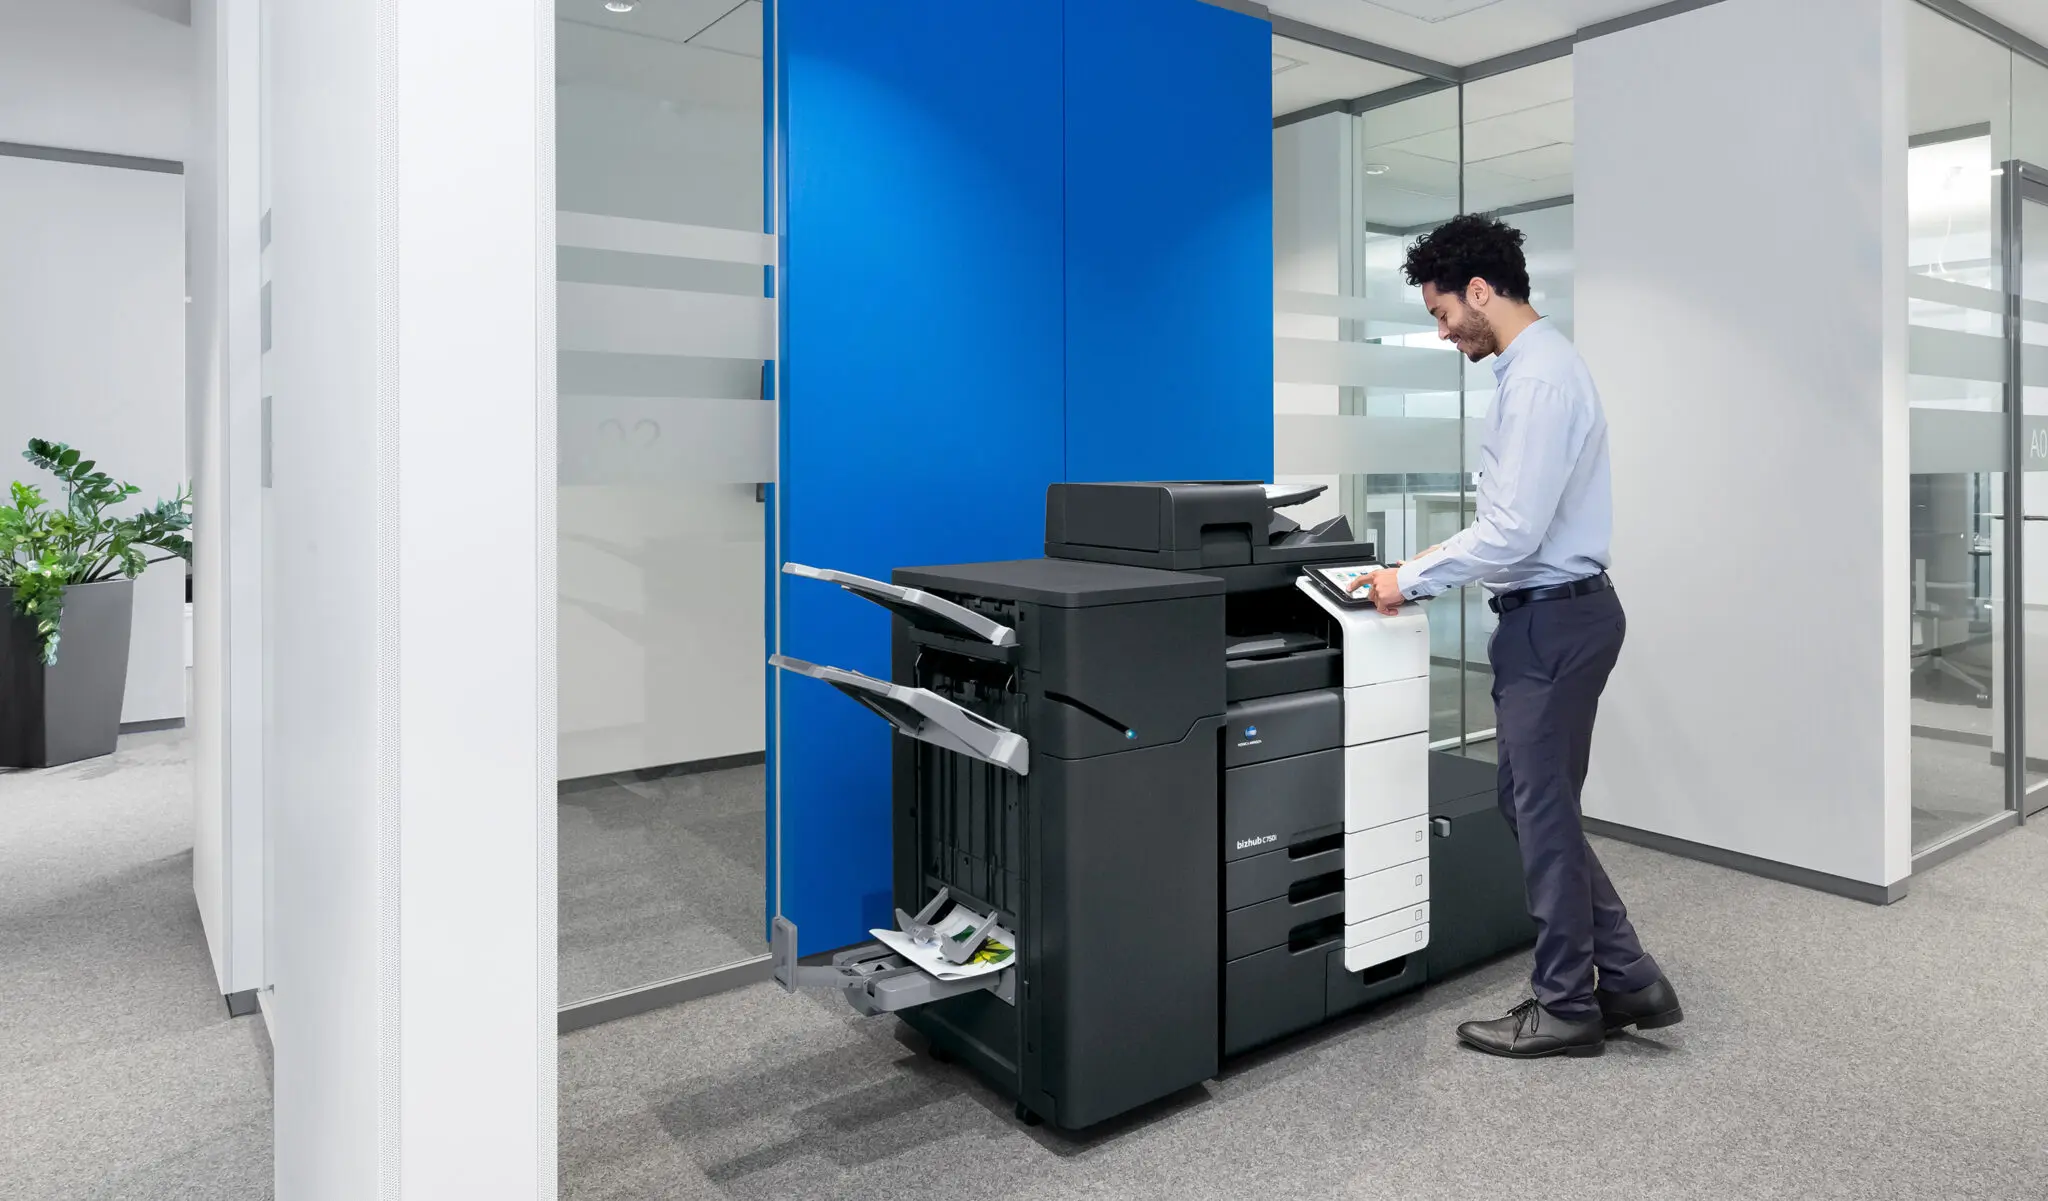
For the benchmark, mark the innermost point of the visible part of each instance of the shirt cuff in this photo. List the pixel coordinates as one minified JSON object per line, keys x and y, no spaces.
{"x":1413,"y":586}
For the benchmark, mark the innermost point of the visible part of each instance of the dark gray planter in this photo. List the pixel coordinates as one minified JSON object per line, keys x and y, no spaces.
{"x":61,"y":714}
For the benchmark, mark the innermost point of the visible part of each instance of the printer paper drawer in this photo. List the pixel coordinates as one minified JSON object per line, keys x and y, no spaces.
{"x":1283,"y":803}
{"x":1386,"y":846}
{"x":1271,"y":923}
{"x":1378,"y":712}
{"x":1380,"y":950}
{"x":1273,"y":994}
{"x":1385,"y":891}
{"x":1386,"y":781}
{"x":1373,"y":929}
{"x":1263,"y":877}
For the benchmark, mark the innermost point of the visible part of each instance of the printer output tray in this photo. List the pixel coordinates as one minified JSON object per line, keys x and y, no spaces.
{"x":914,"y":605}
{"x":924,"y":715}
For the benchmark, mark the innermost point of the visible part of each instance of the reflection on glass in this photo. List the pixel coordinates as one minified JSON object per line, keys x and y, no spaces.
{"x":1959,"y":112}
{"x":1366,"y":396}
{"x":664,"y":439}
{"x":1518,"y":166}
{"x":1368,"y":399}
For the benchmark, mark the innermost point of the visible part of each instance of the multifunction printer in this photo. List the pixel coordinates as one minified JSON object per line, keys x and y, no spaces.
{"x":1162,"y":797}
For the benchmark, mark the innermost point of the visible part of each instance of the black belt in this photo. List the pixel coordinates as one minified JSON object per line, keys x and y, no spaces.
{"x":1508,"y":602}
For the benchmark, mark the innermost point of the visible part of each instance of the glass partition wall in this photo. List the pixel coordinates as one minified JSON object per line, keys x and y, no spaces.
{"x":666,"y":450}
{"x":1978,"y":395}
{"x":1367,"y":399}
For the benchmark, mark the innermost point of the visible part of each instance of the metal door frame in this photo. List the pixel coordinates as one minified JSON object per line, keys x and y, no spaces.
{"x":2022,"y":183}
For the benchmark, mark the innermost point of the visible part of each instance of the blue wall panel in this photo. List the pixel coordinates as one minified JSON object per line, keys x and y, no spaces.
{"x":922,"y":369}
{"x":1169,"y":241}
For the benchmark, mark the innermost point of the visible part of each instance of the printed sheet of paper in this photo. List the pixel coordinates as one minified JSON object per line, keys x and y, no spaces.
{"x":996,"y":954}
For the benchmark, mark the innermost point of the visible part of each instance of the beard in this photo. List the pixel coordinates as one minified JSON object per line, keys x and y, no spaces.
{"x":1474,"y":335}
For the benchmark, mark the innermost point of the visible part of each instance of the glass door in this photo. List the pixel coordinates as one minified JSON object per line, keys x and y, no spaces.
{"x":667,"y":434}
{"x":2026,"y":250}
{"x":1960,"y":448}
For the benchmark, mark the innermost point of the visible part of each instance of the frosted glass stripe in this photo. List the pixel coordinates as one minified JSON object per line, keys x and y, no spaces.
{"x":643,"y":440}
{"x":1947,"y":354}
{"x":1969,"y":296}
{"x":1326,"y":444}
{"x":1393,"y":308}
{"x":595,"y":231}
{"x":1364,"y":364}
{"x":1953,"y":441}
{"x":1949,"y":292}
{"x":614,"y":319}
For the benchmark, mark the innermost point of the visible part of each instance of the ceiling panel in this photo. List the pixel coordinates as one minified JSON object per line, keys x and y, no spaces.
{"x":1528,"y":87}
{"x":1441,"y":146}
{"x":2029,"y":17}
{"x":1542,"y":162}
{"x":1507,"y":134}
{"x":672,"y":20}
{"x":1487,"y":32}
{"x":738,"y":32}
{"x":1305,"y":76}
{"x":1434,"y":113}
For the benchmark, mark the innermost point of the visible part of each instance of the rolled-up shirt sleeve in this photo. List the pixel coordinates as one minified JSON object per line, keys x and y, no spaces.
{"x":1525,"y":463}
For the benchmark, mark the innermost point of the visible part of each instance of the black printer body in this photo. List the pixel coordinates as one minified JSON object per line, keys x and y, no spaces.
{"x":1173,"y":858}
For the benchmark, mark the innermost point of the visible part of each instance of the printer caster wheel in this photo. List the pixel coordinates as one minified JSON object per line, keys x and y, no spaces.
{"x":941,"y":1055}
{"x":1025,"y":1116}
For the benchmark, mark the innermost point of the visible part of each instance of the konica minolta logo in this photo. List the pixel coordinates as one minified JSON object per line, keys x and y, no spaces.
{"x":1260,"y":841}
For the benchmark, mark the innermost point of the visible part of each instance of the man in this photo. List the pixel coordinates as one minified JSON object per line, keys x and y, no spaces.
{"x":1539,"y":544}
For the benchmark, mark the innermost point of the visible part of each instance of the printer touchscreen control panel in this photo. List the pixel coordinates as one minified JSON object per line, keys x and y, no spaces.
{"x":1336,"y":583}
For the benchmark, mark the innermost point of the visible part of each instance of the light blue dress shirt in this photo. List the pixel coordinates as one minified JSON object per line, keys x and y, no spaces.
{"x":1545,"y":510}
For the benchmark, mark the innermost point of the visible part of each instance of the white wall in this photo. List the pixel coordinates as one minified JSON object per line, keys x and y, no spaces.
{"x":410,"y":620}
{"x":1741,"y":233}
{"x":92,"y":332}
{"x":224,"y":398}
{"x":662,"y":558}
{"x":95,"y":75}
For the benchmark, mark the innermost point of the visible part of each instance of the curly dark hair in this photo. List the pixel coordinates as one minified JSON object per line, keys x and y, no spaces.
{"x":1467,"y":248}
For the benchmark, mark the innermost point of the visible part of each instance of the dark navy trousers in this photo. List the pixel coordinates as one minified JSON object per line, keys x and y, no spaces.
{"x":1551,"y":659}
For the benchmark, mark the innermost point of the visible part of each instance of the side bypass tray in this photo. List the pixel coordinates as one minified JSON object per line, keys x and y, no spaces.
{"x":914,"y":605}
{"x":876,"y":979}
{"x":924,"y":715}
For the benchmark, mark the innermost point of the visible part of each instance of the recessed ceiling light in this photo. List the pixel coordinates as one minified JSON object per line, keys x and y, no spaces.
{"x":1377,"y":168}
{"x":619,"y":6}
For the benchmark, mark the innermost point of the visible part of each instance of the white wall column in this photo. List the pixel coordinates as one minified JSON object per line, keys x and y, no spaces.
{"x":410,"y":624}
{"x":1741,"y":300}
{"x":224,"y":331}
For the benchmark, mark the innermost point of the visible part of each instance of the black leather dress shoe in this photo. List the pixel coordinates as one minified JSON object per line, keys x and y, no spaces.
{"x":1651,"y":1008}
{"x":1530,"y":1031}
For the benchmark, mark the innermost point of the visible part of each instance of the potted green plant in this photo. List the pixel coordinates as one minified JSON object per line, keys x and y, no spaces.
{"x":69,"y":569}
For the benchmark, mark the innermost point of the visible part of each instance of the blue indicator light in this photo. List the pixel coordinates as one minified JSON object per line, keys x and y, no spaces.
{"x":1130,"y":733}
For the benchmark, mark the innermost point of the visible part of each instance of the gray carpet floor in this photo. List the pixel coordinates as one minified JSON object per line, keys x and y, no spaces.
{"x":1832,"y":1050}
{"x":659,"y":878}
{"x":121,"y":1075}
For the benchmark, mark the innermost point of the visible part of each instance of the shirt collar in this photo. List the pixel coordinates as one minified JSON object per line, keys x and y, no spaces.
{"x":1506,"y":358}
